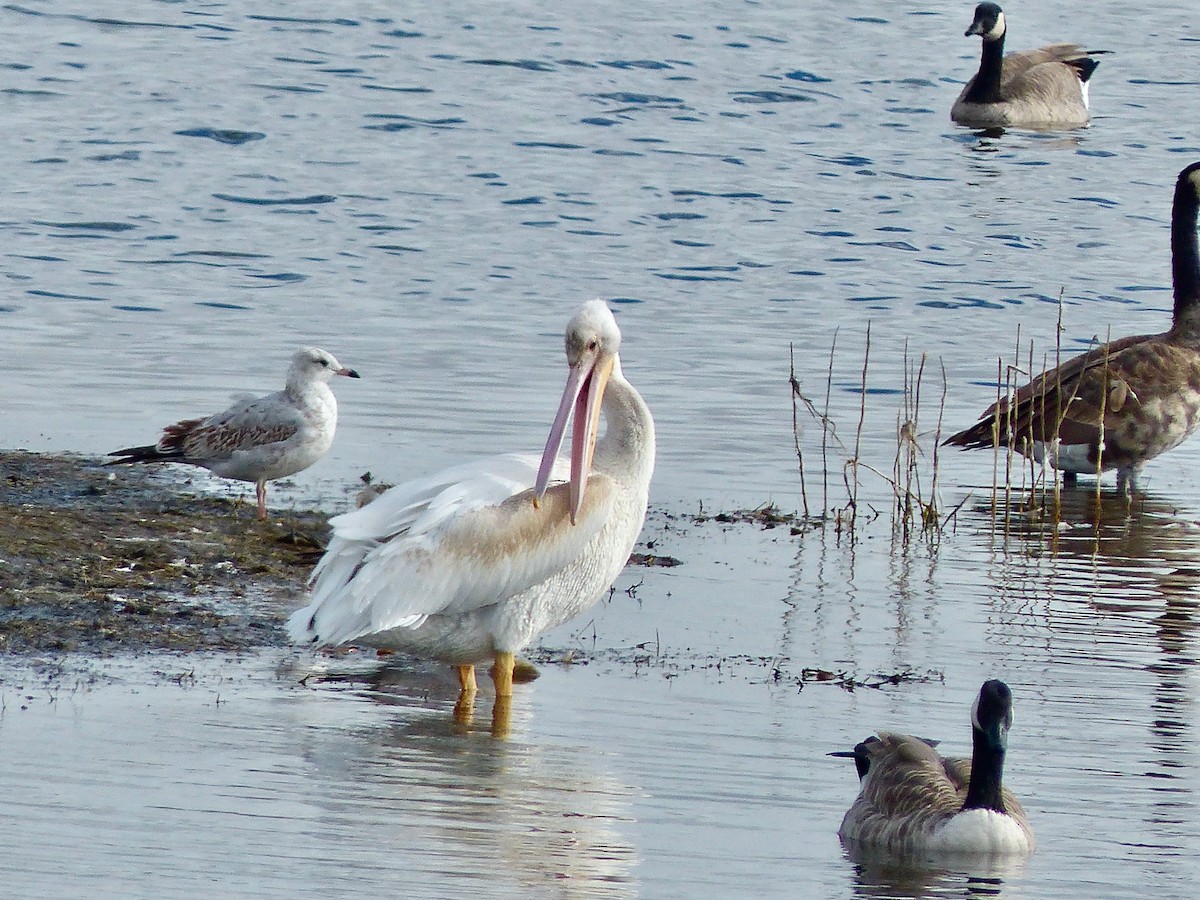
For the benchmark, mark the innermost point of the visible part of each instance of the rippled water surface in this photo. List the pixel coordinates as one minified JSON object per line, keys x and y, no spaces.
{"x":191,"y":191}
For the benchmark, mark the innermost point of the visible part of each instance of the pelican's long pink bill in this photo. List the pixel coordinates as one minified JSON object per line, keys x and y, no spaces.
{"x":576,"y":378}
{"x":586,"y":426}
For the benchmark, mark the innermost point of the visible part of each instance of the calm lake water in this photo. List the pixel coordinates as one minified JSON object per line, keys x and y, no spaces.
{"x":191,"y":191}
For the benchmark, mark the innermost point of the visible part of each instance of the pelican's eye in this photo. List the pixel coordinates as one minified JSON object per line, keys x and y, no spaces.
{"x":593,"y":345}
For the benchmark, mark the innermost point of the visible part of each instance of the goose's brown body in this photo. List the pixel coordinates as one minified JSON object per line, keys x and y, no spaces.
{"x":1124,"y":402}
{"x":912,"y":800}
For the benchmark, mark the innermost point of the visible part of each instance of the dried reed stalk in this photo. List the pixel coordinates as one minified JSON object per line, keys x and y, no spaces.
{"x":852,"y":487}
{"x":827,"y":428}
{"x":795,"y":385}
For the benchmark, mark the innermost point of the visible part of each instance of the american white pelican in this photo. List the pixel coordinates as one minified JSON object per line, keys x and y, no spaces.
{"x":475,"y":562}
{"x":1122,"y":403}
{"x":258,"y":440}
{"x":911,"y":800}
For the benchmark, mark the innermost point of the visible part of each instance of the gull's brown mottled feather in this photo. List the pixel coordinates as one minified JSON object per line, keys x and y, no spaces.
{"x":225,"y":438}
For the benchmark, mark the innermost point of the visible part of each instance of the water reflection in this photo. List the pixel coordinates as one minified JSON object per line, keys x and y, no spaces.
{"x":1117,"y":558}
{"x":1111,"y":554}
{"x":1118,"y":584}
{"x":988,"y":139}
{"x":525,"y":816}
{"x":871,"y":606}
{"x":403,"y":680}
{"x":879,"y":874}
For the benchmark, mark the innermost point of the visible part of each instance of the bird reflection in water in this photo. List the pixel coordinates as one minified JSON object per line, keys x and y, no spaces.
{"x":1114,"y":586}
{"x":514,"y":815}
{"x":884,"y":874}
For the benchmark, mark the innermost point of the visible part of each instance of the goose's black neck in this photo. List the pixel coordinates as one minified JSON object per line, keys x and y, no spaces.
{"x":1185,"y":258}
{"x":987,"y":772}
{"x":986,"y":86}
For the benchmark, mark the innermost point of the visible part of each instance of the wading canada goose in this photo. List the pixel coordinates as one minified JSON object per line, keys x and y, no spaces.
{"x":258,"y":440}
{"x":913,"y":801}
{"x":472,"y":564}
{"x":1043,"y":87}
{"x":1124,"y":402}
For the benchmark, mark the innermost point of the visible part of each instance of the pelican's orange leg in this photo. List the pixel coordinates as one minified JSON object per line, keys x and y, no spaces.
{"x":502,"y":673}
{"x":502,"y":677}
{"x":466,"y":679}
{"x":464,"y":708}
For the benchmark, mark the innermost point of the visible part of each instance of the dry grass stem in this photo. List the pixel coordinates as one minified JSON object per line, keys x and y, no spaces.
{"x":796,"y":394}
{"x":826,"y":431}
{"x":914,"y":498}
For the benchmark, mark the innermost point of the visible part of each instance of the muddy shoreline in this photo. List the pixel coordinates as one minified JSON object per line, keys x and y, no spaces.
{"x":98,"y":559}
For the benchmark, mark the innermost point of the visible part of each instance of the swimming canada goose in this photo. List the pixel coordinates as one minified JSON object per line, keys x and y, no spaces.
{"x":1124,"y":402}
{"x":1047,"y":86}
{"x":911,"y":800}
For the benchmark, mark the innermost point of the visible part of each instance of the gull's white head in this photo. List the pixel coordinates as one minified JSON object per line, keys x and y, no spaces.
{"x":592,"y":342}
{"x":309,"y":363}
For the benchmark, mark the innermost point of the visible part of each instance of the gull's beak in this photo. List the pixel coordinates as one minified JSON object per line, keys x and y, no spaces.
{"x":347,"y":371}
{"x":582,"y":397}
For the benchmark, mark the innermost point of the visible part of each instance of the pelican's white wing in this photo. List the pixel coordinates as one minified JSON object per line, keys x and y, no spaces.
{"x":466,"y":538}
{"x":423,"y":503}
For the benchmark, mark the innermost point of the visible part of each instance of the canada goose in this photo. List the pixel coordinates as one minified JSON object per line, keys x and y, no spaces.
{"x":258,"y":440}
{"x":1047,"y":86}
{"x":911,"y":800}
{"x":1124,"y":402}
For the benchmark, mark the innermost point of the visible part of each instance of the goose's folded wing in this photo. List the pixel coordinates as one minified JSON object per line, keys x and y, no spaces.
{"x":909,"y":778}
{"x":1104,"y":384}
{"x":1069,"y":396}
{"x":1016,"y":64}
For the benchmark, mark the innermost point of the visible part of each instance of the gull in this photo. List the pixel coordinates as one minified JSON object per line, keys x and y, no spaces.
{"x":261,"y":439}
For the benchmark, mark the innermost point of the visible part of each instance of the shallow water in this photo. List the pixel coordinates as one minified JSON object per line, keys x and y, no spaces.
{"x":193,"y":191}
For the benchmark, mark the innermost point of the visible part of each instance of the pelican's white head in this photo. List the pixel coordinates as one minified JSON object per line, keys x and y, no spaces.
{"x":592,"y":342}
